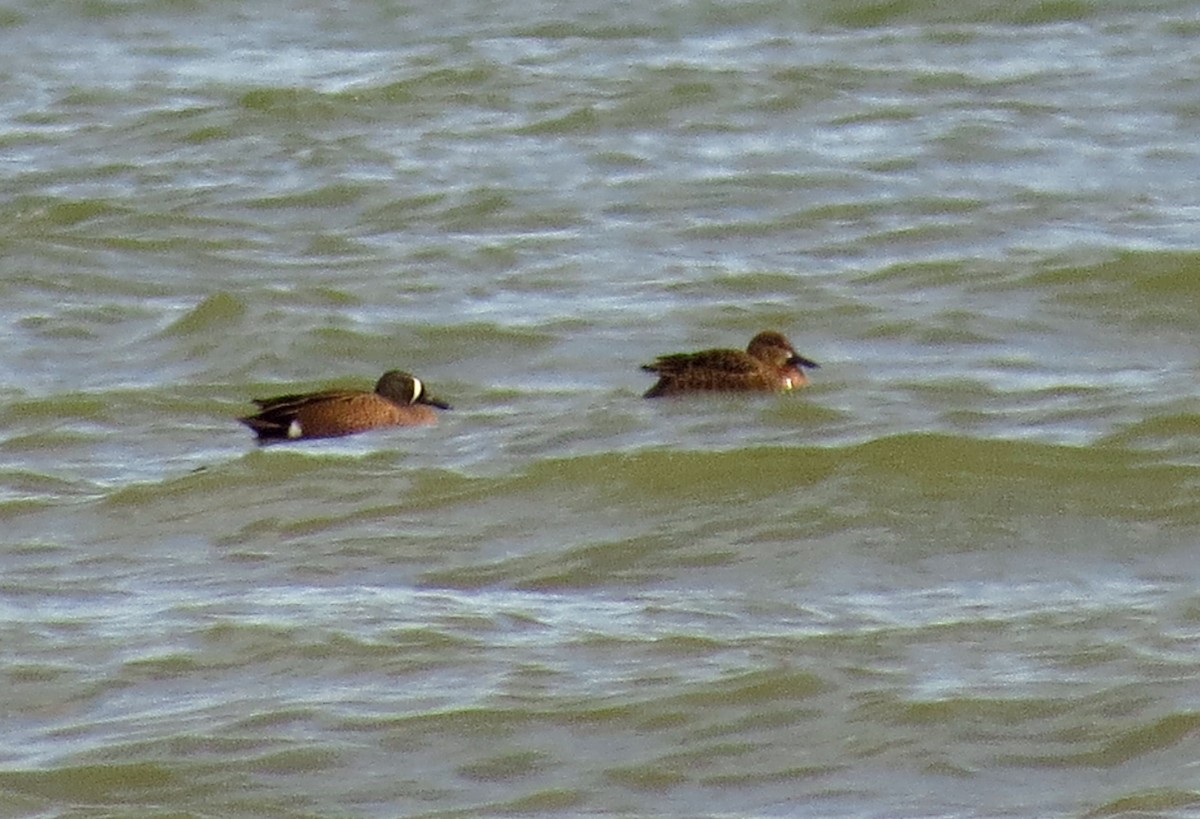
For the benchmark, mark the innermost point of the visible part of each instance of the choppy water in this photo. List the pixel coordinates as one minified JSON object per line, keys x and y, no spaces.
{"x":957,"y":577}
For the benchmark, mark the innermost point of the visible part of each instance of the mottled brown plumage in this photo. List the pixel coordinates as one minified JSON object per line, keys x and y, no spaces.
{"x":399,"y":399}
{"x":769,"y":364}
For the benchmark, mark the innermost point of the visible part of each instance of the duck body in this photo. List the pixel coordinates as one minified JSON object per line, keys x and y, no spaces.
{"x":399,"y":399}
{"x":768,"y":364}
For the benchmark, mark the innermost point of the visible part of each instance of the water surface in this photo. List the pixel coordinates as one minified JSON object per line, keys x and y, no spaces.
{"x":956,"y":577}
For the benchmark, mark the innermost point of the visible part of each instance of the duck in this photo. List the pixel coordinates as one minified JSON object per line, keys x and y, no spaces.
{"x":399,"y":399}
{"x":768,"y":364}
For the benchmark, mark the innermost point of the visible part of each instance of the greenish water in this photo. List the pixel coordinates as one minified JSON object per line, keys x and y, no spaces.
{"x":955,"y":577}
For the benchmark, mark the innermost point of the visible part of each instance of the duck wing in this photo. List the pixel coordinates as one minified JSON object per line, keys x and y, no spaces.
{"x":727,"y":362}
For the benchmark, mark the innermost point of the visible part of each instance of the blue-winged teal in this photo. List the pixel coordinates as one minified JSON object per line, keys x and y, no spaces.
{"x":769,"y":364}
{"x":399,"y":399}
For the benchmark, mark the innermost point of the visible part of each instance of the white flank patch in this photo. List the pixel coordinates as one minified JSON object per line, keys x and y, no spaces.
{"x":294,"y":429}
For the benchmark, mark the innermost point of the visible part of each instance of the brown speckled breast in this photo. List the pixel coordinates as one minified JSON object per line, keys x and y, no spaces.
{"x":347,"y":414}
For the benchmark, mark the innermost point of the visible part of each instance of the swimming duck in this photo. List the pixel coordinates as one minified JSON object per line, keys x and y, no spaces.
{"x":769,"y":364}
{"x":399,"y":399}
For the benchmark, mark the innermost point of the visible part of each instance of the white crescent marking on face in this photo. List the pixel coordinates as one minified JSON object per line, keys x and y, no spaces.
{"x":418,"y":388}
